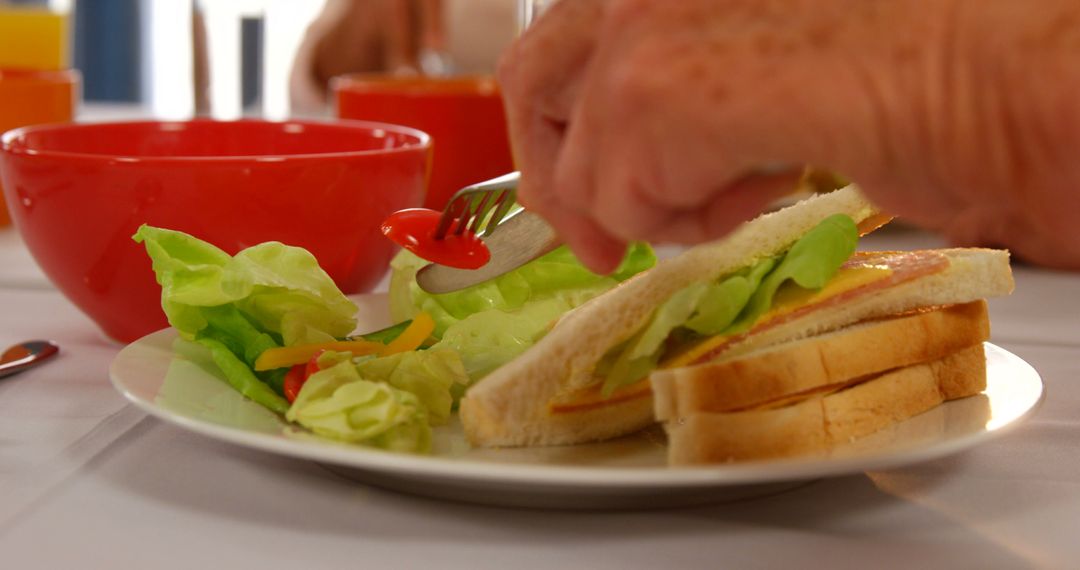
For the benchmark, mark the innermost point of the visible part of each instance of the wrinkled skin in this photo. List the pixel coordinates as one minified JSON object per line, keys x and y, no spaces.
{"x":667,"y":120}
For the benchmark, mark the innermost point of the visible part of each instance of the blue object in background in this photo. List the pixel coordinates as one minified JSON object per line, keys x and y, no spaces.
{"x":107,"y":49}
{"x":252,"y":36}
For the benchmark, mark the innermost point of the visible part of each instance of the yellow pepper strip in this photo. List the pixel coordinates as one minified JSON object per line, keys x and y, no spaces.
{"x":299,"y":354}
{"x":412,"y":337}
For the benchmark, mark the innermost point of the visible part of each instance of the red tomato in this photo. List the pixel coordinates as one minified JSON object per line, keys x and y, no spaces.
{"x":414,"y":229}
{"x":294,"y":380}
{"x":298,"y":375}
{"x":313,"y":364}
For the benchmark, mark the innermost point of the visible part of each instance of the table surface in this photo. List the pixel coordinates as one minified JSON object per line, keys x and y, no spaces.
{"x":87,"y":479}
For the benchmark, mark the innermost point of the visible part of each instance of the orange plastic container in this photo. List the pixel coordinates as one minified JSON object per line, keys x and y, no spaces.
{"x":36,"y":97}
{"x":464,"y":116}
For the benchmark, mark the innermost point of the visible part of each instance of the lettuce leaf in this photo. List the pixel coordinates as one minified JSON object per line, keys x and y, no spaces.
{"x":435,"y":376}
{"x":722,"y":302}
{"x":809,"y":264}
{"x":266,"y":296}
{"x":641,"y":353}
{"x":239,"y":375}
{"x":491,"y":338}
{"x":338,"y":403}
{"x":279,"y":289}
{"x":736,"y":302}
{"x":556,"y":275}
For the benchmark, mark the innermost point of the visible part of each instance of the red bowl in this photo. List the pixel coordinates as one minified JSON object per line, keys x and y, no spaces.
{"x":78,"y":192}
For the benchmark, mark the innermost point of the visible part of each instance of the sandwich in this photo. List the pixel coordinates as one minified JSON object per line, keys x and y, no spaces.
{"x":805,"y":396}
{"x":777,"y":340}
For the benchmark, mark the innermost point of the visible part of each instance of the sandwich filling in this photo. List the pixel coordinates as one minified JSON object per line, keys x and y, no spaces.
{"x":862,"y":274}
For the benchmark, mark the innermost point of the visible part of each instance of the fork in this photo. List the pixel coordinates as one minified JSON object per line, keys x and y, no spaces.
{"x":469,"y":208}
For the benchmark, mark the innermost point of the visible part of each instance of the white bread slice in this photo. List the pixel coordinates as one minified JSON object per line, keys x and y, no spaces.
{"x":818,"y":362}
{"x":813,"y":425}
{"x":510,"y":406}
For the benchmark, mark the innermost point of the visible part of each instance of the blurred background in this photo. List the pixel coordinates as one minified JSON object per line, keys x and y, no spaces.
{"x":179,"y":58}
{"x":175,"y":59}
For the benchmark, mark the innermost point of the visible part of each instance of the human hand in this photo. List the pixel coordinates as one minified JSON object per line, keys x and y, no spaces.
{"x":651,"y":119}
{"x":350,"y":36}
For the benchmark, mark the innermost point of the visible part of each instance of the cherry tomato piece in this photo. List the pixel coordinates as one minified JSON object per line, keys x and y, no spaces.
{"x":313,"y":364}
{"x":298,"y":375}
{"x":294,"y":380}
{"x":414,"y":230}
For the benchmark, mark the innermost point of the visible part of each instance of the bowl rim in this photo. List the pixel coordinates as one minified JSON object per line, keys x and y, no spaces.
{"x":423,"y":142}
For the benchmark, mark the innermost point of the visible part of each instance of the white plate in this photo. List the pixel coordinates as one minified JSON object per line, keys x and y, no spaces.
{"x":177,"y":382}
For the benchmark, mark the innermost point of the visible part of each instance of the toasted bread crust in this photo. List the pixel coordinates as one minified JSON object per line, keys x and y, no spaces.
{"x":813,"y":425}
{"x":831,"y":359}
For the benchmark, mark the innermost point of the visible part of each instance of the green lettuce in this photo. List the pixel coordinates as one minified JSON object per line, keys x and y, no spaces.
{"x":809,"y":264}
{"x":491,"y":338}
{"x":278,"y":288}
{"x":556,"y":275}
{"x":338,"y":403}
{"x":265,"y":296}
{"x":734,"y":303}
{"x":435,"y":376}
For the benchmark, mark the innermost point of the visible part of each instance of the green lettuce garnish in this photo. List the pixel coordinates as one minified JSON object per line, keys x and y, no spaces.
{"x":809,"y":264}
{"x":489,"y":339}
{"x":736,"y":302}
{"x":278,"y":288}
{"x":556,"y":275}
{"x":273,"y":295}
{"x":338,"y":403}
{"x":435,"y":376}
{"x":265,"y":296}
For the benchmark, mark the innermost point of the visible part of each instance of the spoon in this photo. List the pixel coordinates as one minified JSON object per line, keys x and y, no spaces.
{"x":26,"y":355}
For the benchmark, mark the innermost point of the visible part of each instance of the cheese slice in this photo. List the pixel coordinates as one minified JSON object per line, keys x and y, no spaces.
{"x":789,"y":298}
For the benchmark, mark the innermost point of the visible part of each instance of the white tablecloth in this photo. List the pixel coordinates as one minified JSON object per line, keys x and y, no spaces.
{"x":88,"y":481}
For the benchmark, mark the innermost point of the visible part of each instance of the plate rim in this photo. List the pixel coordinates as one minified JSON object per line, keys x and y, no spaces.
{"x":539,"y":475}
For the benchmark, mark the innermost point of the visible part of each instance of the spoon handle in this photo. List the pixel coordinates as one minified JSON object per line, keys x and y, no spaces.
{"x":26,"y":354}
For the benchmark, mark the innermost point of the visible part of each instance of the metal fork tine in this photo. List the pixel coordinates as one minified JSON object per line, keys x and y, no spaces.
{"x":502,"y":207}
{"x":457,"y":203}
{"x":467,"y":214}
{"x":484,"y":222}
{"x":470,"y":207}
{"x":482,"y":209}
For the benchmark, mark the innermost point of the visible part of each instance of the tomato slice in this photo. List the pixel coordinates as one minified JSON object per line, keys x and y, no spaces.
{"x":298,"y":375}
{"x":414,"y":230}
{"x":294,"y":380}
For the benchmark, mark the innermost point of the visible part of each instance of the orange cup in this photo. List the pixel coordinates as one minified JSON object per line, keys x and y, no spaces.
{"x":464,"y":116}
{"x":30,"y":97}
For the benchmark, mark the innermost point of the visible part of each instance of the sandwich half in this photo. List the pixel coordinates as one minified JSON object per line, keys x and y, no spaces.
{"x":785,"y":276}
{"x":804,"y":396}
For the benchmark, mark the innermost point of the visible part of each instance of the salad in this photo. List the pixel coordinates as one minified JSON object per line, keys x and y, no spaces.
{"x":283,"y":334}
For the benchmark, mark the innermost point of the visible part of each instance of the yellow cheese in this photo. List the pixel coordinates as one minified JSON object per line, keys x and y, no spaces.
{"x":33,"y":39}
{"x":789,"y":298}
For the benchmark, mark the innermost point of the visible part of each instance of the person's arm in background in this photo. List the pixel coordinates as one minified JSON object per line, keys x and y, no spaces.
{"x":399,"y":36}
{"x":648,"y":119}
{"x":352,"y":36}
